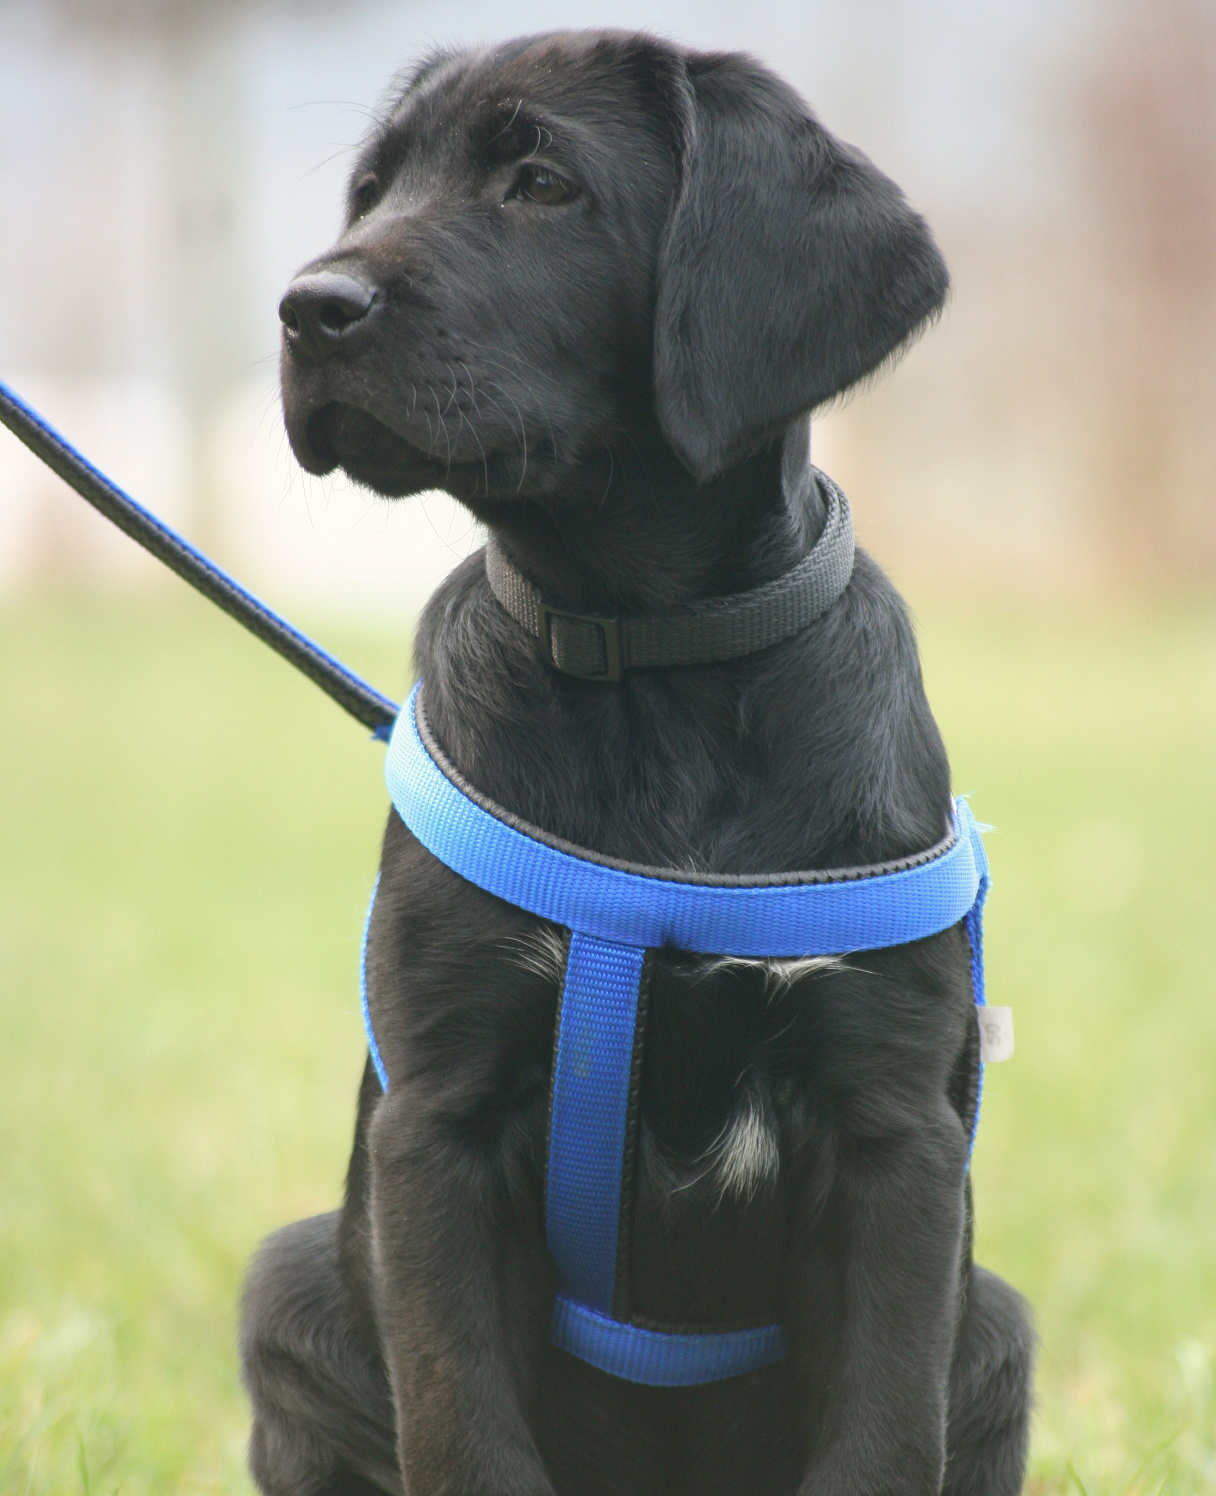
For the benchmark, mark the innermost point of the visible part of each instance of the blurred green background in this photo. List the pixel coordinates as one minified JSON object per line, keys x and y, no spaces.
{"x":188,"y":834}
{"x":189,"y":837}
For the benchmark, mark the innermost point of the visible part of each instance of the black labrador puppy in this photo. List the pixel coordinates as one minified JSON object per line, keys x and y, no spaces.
{"x":592,"y":284}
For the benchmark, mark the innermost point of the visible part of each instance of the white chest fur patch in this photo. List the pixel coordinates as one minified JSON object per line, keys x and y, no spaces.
{"x":745,"y":1158}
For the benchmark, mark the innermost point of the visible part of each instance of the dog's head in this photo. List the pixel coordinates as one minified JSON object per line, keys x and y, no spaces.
{"x":581,"y":242}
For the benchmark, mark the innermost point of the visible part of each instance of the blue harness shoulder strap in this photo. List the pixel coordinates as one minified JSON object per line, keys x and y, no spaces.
{"x":615,"y":913}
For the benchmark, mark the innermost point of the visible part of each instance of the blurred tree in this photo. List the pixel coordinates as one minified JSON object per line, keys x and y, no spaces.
{"x":1147,"y":115}
{"x":204,"y":320}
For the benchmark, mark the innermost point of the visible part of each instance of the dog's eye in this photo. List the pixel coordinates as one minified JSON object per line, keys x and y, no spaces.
{"x":540,"y":185}
{"x":367,"y":190}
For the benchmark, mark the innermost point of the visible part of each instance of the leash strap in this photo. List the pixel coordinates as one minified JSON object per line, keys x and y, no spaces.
{"x":354,"y":695}
{"x":598,"y":647}
{"x":616,"y":912}
{"x":580,"y":644}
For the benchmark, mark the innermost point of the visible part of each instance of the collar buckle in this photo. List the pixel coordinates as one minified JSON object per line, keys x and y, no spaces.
{"x":588,"y":645}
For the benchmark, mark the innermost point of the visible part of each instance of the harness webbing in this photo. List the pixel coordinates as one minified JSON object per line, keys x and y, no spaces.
{"x":795,"y":914}
{"x":615,"y":913}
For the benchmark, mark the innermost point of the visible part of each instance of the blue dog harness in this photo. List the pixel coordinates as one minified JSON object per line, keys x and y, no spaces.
{"x":615,"y":912}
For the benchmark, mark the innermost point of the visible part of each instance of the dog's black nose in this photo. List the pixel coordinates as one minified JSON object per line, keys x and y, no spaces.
{"x":322,"y":313}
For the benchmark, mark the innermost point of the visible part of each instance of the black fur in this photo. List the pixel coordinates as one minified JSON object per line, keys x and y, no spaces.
{"x":616,"y":380}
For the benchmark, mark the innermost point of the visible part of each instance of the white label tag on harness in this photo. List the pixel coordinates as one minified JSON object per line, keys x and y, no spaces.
{"x":996,"y":1034}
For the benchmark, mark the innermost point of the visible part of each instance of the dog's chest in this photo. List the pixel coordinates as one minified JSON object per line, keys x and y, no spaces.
{"x":672,"y":1080}
{"x":725,"y":1079}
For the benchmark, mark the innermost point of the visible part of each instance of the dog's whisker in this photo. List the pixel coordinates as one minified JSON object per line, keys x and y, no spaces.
{"x":504,"y":413}
{"x":344,"y":150}
{"x":485,"y":467}
{"x":611,"y":471}
{"x":523,"y":436}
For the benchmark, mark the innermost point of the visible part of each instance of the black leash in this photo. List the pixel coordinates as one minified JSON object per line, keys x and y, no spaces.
{"x":362,"y":701}
{"x":586,"y":645}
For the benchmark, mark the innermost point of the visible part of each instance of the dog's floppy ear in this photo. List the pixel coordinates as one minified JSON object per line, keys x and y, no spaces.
{"x":790,"y":266}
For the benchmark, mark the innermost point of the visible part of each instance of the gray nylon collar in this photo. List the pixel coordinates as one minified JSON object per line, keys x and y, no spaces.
{"x":592,"y":646}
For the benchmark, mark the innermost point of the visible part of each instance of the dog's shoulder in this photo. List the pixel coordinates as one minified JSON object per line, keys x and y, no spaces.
{"x":819,"y":752}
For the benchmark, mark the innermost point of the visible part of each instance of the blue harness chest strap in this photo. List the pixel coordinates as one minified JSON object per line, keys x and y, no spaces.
{"x":615,"y":913}
{"x":594,"y":1069}
{"x":592,"y":1075}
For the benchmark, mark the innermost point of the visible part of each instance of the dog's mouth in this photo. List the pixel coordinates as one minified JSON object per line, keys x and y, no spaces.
{"x":379,"y":457}
{"x":340,"y":435}
{"x":371,"y":452}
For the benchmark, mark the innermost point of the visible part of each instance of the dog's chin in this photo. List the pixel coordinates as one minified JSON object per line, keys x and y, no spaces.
{"x":371,"y":453}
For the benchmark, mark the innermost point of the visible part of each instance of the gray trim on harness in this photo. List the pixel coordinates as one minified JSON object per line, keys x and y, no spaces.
{"x":599,"y":647}
{"x":665,"y":874}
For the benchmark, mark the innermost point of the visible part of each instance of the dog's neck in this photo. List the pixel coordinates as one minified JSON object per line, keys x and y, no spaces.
{"x":657,"y":539}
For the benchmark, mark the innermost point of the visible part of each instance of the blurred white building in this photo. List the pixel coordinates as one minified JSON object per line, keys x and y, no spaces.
{"x":164,"y":167}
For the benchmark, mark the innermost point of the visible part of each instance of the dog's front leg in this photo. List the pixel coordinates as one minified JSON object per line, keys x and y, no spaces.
{"x":879,"y":1348}
{"x":464,"y":1297}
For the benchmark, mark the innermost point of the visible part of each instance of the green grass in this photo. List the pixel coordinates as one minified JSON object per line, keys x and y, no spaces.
{"x":187,"y":838}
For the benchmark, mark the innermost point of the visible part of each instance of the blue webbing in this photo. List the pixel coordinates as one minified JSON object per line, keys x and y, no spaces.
{"x":614,"y":916}
{"x":364,"y":1005}
{"x":660,"y":1358}
{"x":801,"y":919}
{"x":592,"y":1068}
